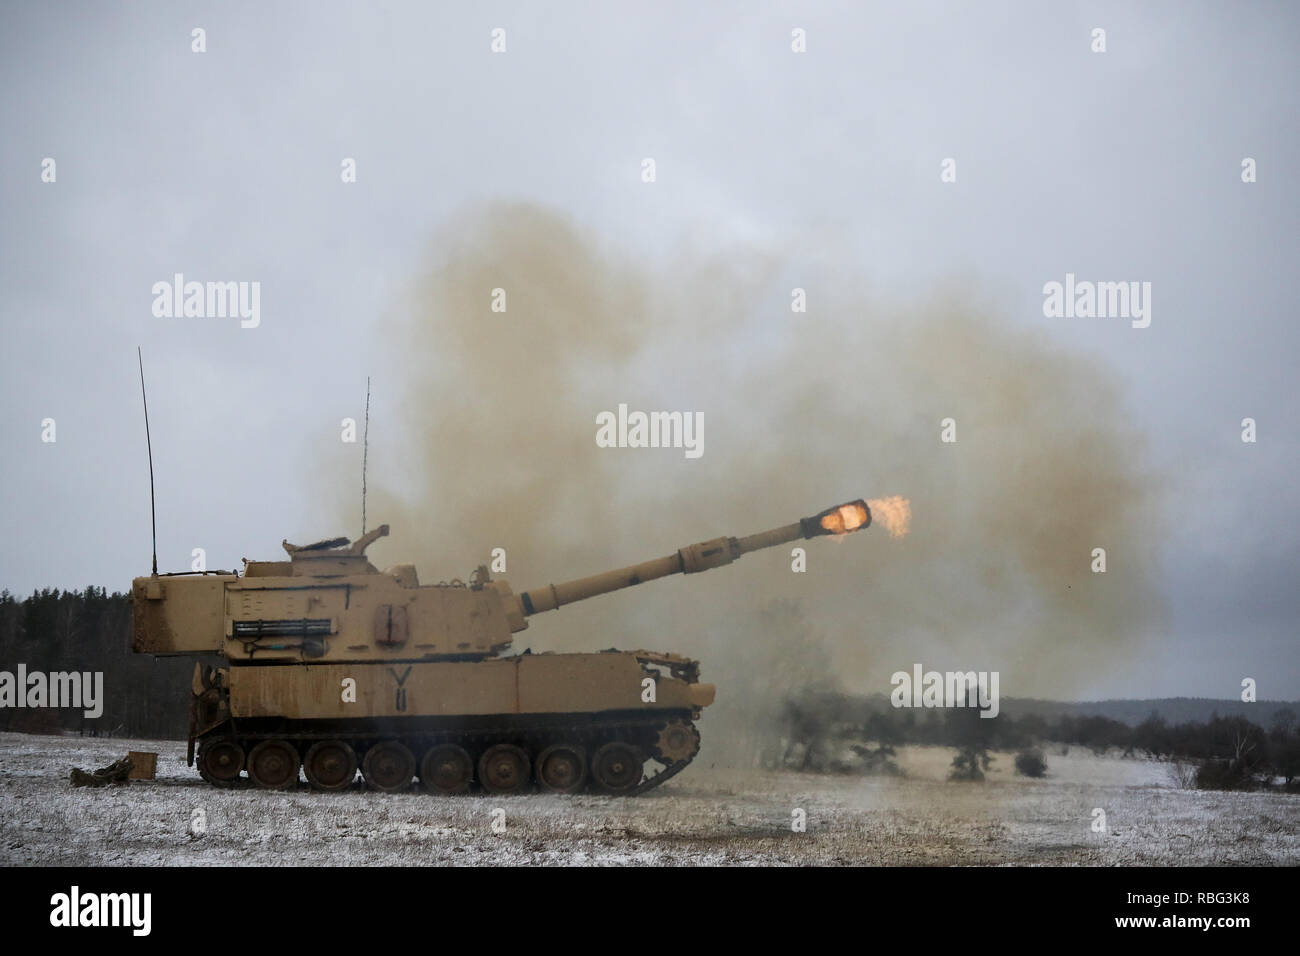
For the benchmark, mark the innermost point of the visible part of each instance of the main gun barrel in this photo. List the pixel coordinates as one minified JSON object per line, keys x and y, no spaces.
{"x":841,"y":519}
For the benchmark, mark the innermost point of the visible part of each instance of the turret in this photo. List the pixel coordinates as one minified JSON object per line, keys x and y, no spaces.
{"x":328,"y":603}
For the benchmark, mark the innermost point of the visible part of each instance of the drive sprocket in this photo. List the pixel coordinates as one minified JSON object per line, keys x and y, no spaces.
{"x":675,"y":741}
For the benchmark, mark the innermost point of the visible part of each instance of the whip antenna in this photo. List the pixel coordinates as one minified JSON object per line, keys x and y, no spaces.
{"x":153,"y":513}
{"x":365,"y":453}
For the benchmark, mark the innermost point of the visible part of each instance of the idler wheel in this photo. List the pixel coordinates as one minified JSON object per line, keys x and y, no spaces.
{"x":503,"y":768}
{"x":220,"y":761}
{"x":330,"y":765}
{"x":388,"y":766}
{"x":562,"y":768}
{"x":446,"y":769}
{"x":617,"y":767}
{"x":273,"y":765}
{"x":677,"y":740}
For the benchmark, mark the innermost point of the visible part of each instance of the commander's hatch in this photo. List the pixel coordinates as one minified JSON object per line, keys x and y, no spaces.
{"x":333,"y":556}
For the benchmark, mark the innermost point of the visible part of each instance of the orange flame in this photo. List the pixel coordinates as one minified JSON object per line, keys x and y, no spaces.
{"x":844,"y":519}
{"x":894,"y":513}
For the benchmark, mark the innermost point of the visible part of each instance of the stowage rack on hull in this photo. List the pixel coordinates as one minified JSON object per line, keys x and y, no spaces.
{"x":335,"y":667}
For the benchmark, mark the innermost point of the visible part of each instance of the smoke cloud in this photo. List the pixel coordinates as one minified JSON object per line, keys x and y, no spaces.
{"x":494,"y":446}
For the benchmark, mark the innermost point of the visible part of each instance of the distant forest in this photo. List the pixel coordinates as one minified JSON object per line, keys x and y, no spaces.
{"x":834,"y":732}
{"x":149,"y":697}
{"x":90,"y":630}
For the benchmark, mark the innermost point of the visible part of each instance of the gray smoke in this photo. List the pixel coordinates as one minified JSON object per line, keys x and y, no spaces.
{"x":493,"y":446}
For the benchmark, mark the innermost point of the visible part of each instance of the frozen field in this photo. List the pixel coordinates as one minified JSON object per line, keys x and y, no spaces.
{"x":706,"y":815}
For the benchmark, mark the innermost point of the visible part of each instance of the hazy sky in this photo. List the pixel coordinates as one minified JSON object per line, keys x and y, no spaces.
{"x":225,"y":165}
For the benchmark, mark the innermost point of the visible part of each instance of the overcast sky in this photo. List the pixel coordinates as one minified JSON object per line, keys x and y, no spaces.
{"x":1122,"y":165}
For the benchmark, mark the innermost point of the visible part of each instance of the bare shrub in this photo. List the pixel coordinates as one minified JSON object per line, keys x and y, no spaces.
{"x":1182,"y":773}
{"x":1030,"y":763}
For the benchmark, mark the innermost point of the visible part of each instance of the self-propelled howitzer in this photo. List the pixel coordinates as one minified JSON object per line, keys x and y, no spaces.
{"x":335,"y":666}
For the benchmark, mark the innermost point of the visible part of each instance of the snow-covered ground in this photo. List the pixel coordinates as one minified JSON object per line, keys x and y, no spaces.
{"x":707,"y":815}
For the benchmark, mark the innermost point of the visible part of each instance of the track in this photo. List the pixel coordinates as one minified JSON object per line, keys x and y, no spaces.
{"x":600,"y":755}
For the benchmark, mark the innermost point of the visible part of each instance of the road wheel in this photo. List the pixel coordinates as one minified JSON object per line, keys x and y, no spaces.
{"x":617,"y":767}
{"x":446,"y":769}
{"x":388,"y":766}
{"x":220,"y":761}
{"x":273,"y":765}
{"x":562,"y":768}
{"x":503,"y":768}
{"x":330,"y":765}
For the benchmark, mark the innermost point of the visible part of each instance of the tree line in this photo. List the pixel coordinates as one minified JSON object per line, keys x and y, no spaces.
{"x":88,"y":631}
{"x":828,"y":731}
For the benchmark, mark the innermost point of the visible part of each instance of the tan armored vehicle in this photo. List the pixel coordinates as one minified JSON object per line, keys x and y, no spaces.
{"x":335,"y":666}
